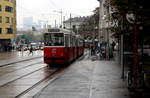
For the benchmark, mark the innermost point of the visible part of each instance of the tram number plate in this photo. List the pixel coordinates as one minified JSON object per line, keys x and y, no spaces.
{"x":53,"y":51}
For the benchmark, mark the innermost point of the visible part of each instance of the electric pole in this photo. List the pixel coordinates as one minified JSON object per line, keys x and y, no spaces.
{"x":100,"y":21}
{"x":70,"y":21}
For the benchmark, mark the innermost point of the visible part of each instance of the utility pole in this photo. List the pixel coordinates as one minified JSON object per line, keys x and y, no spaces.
{"x":70,"y":21}
{"x":108,"y":31}
{"x":64,"y":23}
{"x":55,"y":23}
{"x":100,"y":21}
{"x":60,"y":17}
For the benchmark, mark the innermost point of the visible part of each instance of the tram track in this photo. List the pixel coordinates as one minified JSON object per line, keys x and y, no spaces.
{"x":84,"y":56}
{"x":19,"y":78}
{"x":37,"y":76}
{"x":48,"y":78}
{"x":14,"y":82}
{"x":13,"y":76}
{"x":22,"y":67}
{"x":29,"y":80}
{"x":18,"y":61}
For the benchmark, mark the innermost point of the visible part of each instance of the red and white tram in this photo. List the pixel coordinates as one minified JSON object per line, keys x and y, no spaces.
{"x":61,"y":46}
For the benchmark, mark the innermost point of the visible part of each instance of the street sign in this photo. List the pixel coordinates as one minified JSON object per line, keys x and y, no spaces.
{"x":130,"y":18}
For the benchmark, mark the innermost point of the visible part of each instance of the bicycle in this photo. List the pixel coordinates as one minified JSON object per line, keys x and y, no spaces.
{"x":130,"y":80}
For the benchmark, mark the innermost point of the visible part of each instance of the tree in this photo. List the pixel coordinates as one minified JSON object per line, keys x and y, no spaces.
{"x":140,"y":29}
{"x":90,"y":24}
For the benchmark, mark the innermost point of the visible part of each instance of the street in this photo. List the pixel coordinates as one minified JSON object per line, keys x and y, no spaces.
{"x":24,"y":74}
{"x":74,"y":49}
{"x":19,"y":78}
{"x":87,"y":77}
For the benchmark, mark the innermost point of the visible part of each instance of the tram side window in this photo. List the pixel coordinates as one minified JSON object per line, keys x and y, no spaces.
{"x":67,"y":41}
{"x":58,"y":39}
{"x":81,"y":43}
{"x":76,"y":42}
{"x":70,"y":40}
{"x":47,"y":39}
{"x":73,"y":41}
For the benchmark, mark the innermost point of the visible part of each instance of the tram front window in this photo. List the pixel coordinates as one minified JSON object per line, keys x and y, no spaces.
{"x":54,"y":39}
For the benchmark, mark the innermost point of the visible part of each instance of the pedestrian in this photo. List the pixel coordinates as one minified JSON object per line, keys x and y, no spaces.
{"x":113,"y":45}
{"x":92,"y":50}
{"x":0,"y":47}
{"x":31,"y":50}
{"x":110,"y":52}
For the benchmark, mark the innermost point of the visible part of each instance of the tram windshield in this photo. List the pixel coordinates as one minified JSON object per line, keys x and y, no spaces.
{"x":54,"y":39}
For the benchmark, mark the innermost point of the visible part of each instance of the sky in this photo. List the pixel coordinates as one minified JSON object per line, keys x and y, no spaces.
{"x":48,"y":10}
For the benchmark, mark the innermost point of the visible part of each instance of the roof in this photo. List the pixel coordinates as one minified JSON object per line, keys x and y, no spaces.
{"x":59,"y":30}
{"x":76,"y":19}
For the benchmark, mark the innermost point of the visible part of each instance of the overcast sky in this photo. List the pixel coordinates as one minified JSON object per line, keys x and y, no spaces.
{"x":44,"y":9}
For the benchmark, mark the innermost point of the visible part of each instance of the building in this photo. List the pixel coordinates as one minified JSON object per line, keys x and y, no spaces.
{"x":73,"y":22}
{"x":7,"y":23}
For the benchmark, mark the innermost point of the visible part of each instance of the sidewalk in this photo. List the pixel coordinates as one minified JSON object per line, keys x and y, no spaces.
{"x":7,"y":58}
{"x":88,"y":79}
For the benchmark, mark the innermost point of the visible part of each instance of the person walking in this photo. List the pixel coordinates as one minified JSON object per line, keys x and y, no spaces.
{"x":31,"y":50}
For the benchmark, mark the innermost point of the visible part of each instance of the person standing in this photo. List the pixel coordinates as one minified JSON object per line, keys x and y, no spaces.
{"x":113,"y":45}
{"x":31,"y":50}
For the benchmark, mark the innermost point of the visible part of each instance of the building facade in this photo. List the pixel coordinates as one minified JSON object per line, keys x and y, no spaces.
{"x":73,"y":22}
{"x":7,"y":23}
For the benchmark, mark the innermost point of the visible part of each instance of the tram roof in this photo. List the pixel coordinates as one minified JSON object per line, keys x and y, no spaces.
{"x":57,"y":30}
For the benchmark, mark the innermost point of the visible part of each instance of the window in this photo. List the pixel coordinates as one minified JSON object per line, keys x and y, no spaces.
{"x":7,"y":20}
{"x":0,"y":30}
{"x":0,"y":19}
{"x":66,"y":40}
{"x":9,"y":30}
{"x":6,"y":0}
{"x":12,"y":20}
{"x":8,"y":9}
{"x":54,"y":39}
{"x":0,"y":7}
{"x":11,"y":0}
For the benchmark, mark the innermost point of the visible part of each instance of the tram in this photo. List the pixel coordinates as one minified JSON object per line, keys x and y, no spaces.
{"x":61,"y":46}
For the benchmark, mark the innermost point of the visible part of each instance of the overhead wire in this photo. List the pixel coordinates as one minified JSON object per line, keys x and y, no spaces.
{"x":50,"y":2}
{"x":53,"y":4}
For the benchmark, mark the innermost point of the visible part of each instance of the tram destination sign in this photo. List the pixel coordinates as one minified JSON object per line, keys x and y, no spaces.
{"x":53,"y":30}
